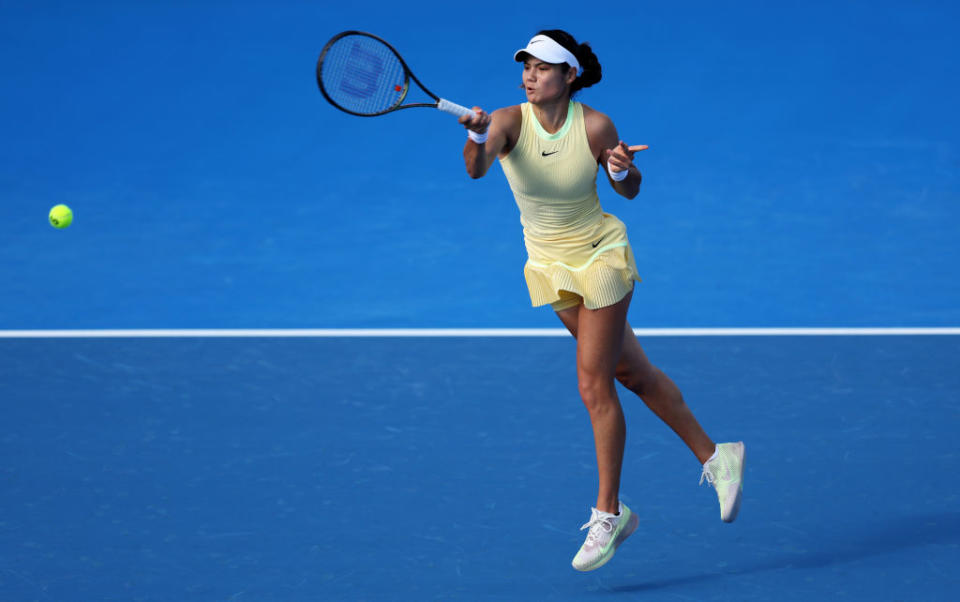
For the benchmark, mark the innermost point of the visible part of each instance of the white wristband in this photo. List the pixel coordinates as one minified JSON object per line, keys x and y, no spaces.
{"x":617,"y":176}
{"x":478,"y":138}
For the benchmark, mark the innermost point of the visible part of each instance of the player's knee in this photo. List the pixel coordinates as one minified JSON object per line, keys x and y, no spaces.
{"x":596,"y":392}
{"x":635,"y":378}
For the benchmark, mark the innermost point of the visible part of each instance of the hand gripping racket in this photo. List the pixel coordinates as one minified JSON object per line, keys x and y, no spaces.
{"x":364,"y":75}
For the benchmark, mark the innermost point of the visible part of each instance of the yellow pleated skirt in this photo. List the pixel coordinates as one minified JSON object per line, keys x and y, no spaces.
{"x":597,"y":266}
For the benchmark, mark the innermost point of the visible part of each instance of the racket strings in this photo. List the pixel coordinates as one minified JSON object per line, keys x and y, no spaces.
{"x":362,"y":75}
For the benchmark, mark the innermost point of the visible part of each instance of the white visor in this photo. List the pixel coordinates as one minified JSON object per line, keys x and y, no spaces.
{"x":548,"y":50}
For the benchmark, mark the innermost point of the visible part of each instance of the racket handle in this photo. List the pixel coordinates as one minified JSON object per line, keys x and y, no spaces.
{"x":453,"y":108}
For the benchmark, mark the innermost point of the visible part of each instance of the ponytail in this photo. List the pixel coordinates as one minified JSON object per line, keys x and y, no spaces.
{"x":588,"y":60}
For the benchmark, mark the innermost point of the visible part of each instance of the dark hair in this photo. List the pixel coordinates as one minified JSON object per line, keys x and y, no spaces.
{"x":588,"y":60}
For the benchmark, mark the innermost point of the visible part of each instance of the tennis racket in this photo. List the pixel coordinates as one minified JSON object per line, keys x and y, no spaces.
{"x":362,"y":74}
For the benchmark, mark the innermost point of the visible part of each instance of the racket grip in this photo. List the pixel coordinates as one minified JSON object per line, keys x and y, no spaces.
{"x":453,"y":108}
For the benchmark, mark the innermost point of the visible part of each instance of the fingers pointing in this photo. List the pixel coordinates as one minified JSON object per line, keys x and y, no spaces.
{"x":629,"y":150}
{"x":620,"y":157}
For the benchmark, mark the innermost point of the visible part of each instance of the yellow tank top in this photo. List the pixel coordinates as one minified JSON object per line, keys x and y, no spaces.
{"x":572,"y":245}
{"x":554,"y":182}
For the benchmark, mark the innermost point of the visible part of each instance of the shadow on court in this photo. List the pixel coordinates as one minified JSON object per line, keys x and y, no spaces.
{"x":840,"y":543}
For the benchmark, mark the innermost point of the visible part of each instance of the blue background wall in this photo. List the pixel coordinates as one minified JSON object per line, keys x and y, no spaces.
{"x":803,"y":168}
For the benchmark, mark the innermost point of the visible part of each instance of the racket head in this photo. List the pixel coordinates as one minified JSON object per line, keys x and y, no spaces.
{"x":361,"y":74}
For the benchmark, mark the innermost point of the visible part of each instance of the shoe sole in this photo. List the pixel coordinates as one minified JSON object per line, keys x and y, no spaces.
{"x":736,"y":501}
{"x":627,"y":531}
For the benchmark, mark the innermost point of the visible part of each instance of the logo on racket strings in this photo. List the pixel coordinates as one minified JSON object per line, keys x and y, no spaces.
{"x":365,"y":69}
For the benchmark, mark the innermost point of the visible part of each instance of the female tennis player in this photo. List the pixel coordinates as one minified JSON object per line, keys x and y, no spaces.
{"x":581,"y":263}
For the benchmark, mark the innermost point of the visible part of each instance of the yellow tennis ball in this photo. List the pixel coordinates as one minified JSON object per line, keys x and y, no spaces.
{"x":61,"y":216}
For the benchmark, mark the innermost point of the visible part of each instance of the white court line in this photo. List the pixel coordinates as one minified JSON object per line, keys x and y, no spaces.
{"x":455,"y":332}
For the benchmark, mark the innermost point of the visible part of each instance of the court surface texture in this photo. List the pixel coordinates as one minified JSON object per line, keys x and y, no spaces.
{"x":460,"y":468}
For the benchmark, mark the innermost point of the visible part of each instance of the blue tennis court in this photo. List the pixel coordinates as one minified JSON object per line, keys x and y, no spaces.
{"x":460,"y":468}
{"x":803,"y":173}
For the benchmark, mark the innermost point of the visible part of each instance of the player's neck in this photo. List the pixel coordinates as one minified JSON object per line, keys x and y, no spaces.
{"x":552,"y":114}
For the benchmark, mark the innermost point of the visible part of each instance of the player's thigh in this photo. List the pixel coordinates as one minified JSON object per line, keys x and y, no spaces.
{"x":599,"y":335}
{"x":600,"y":340}
{"x":634,"y":369}
{"x":570,"y":318}
{"x":631,"y":358}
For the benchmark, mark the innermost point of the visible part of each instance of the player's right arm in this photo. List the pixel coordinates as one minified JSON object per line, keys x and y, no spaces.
{"x":502,"y":127}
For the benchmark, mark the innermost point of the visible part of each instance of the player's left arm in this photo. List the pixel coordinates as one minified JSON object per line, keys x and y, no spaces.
{"x":612,"y":153}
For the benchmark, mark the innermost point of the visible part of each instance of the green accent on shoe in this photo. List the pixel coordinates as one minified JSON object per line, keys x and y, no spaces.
{"x":604,"y":538}
{"x":725,"y":472}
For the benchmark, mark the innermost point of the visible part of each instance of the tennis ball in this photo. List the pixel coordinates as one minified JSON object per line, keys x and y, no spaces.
{"x":61,"y":216}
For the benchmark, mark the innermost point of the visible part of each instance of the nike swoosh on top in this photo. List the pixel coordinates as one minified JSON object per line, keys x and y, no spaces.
{"x":546,"y":154}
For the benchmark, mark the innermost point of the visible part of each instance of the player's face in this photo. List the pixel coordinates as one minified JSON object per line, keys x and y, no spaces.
{"x":544,"y":82}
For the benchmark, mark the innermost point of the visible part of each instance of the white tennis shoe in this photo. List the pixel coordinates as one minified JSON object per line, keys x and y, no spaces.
{"x":606,"y":532}
{"x":725,"y":472}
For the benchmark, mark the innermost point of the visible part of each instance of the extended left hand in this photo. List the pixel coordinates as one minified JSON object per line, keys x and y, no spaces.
{"x":620,"y":157}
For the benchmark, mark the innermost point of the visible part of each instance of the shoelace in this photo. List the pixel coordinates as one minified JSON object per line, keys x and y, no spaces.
{"x":597,"y":521}
{"x":723,"y":473}
{"x":706,"y":474}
